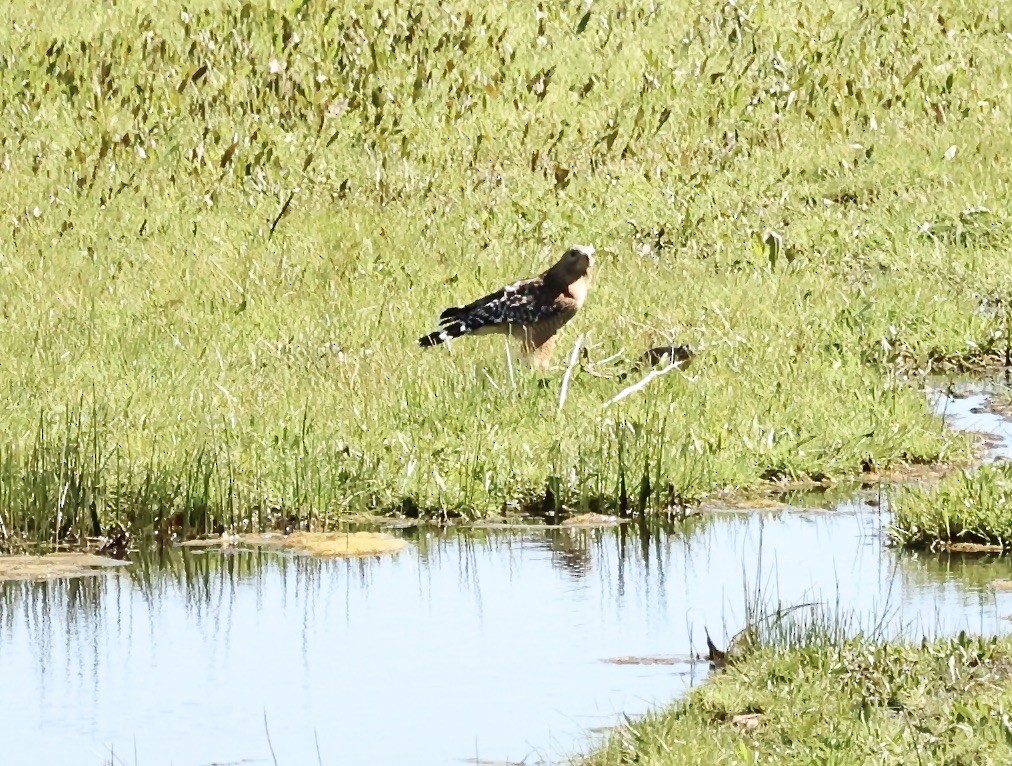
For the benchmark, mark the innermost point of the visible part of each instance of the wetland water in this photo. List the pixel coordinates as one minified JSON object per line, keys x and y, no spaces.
{"x":485,"y":645}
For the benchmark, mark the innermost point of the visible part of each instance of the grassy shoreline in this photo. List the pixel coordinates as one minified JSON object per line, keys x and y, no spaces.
{"x":223,"y":229}
{"x":969,"y":509}
{"x":846,"y":702}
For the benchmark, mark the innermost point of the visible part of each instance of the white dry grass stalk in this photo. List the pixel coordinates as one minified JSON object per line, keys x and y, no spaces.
{"x":574,"y":355}
{"x":509,"y":364}
{"x":642,"y":383}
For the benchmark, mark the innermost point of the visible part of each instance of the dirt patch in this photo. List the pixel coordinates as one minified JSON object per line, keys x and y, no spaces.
{"x":377,"y":520}
{"x":56,"y":566}
{"x":926,"y":473}
{"x":1001,"y":584}
{"x":968,"y":547}
{"x":747,"y":721}
{"x":998,"y":405}
{"x":769,"y":495}
{"x":743,"y":502}
{"x":328,"y":544}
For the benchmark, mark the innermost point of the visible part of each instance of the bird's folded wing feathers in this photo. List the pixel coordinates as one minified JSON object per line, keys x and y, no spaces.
{"x":517,"y":303}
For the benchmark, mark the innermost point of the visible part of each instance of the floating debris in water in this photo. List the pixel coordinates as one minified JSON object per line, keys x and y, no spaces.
{"x":592,"y":520}
{"x":323,"y":544}
{"x":329,"y":544}
{"x":56,"y":566}
{"x":223,"y":541}
{"x":660,"y":660}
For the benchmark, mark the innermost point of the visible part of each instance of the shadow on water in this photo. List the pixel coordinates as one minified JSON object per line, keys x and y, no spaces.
{"x":482,"y":644}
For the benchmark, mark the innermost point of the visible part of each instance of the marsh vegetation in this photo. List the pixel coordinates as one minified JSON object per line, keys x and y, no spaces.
{"x":224,"y":225}
{"x":823,"y":700}
{"x":972,"y":509}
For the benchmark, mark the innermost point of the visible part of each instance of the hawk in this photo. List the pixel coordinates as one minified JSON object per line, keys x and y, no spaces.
{"x":531,"y":310}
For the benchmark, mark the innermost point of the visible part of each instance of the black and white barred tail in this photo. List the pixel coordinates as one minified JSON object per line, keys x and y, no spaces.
{"x":454,"y":325}
{"x":441,"y":336}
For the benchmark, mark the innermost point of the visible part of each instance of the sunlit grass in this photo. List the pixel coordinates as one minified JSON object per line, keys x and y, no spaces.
{"x":225,"y":227}
{"x":969,"y":507}
{"x":826,"y":701}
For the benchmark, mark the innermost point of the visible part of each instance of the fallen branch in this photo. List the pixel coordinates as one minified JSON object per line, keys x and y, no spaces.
{"x":284,"y":209}
{"x":642,"y":384}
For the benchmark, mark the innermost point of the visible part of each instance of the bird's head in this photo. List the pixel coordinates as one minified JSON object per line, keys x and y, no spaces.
{"x":578,"y":260}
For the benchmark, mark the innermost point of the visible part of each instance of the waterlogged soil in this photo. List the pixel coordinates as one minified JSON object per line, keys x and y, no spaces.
{"x":54,"y":566}
{"x":480,"y":645}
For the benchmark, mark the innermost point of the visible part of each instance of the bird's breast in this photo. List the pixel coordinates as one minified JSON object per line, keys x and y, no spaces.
{"x":578,"y":290}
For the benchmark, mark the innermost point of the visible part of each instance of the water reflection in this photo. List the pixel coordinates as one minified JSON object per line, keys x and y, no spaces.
{"x":965,"y":407}
{"x":976,"y":570}
{"x":486,"y":645}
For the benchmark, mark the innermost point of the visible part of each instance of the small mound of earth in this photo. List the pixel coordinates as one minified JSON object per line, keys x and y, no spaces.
{"x":747,"y":721}
{"x":329,"y":544}
{"x":56,"y":566}
{"x":959,"y":547}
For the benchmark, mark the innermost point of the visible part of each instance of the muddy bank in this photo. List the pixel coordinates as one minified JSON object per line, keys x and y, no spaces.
{"x":56,"y":566}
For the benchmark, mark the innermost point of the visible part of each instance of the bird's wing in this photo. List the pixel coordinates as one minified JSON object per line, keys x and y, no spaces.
{"x":523,"y":303}
{"x":519,"y":303}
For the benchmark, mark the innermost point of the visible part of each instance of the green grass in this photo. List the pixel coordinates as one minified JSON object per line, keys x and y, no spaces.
{"x":968,"y":507}
{"x":827,"y":702}
{"x":224,"y":228}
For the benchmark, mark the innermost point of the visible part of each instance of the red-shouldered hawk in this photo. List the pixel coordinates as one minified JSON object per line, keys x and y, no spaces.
{"x":532,"y":310}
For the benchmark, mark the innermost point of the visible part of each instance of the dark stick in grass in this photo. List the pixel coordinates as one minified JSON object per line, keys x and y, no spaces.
{"x":284,"y":209}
